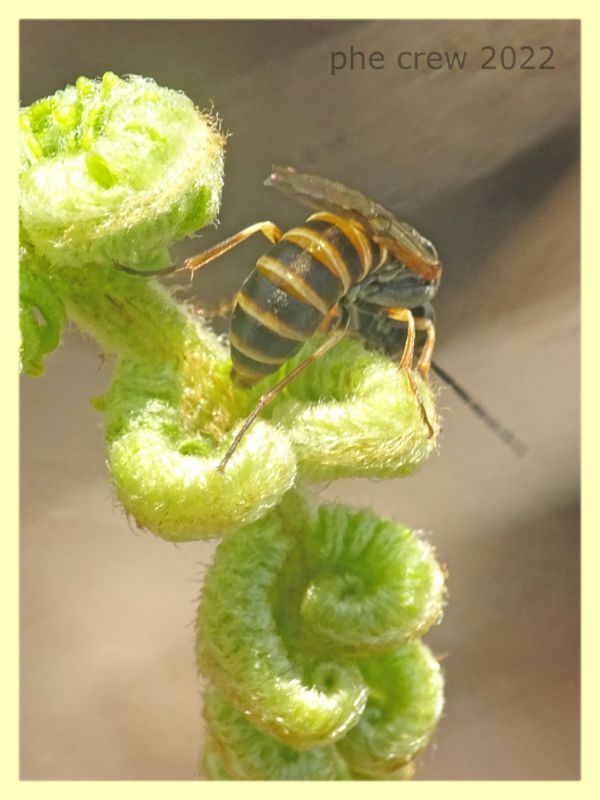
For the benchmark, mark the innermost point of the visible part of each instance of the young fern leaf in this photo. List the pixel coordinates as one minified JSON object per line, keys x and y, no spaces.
{"x":274,"y":596}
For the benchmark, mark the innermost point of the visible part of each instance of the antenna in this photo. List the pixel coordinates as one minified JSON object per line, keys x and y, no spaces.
{"x":508,"y":437}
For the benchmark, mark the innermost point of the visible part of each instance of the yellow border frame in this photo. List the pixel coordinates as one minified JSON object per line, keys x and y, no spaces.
{"x":180,"y":9}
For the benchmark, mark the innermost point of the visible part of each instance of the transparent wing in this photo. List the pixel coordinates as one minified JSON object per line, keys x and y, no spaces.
{"x":401,"y":239}
{"x":321,"y":193}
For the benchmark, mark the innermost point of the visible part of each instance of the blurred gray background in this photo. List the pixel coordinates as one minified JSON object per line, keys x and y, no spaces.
{"x":486,"y":164}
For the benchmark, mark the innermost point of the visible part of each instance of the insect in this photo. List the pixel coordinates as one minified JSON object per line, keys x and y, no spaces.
{"x":350,"y":268}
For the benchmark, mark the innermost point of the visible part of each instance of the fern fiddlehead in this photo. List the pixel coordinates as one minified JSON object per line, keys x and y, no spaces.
{"x":308,"y":631}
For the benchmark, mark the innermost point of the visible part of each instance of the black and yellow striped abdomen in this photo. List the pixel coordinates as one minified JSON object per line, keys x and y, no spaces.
{"x":292,"y":289}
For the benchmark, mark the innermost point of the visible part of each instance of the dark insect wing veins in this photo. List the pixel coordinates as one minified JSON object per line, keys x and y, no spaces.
{"x":323,"y":194}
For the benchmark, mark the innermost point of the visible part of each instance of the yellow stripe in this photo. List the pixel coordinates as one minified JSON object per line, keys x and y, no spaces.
{"x":292,"y":282}
{"x":248,"y":373}
{"x":358,"y":238}
{"x":323,"y":251}
{"x":267,"y":319}
{"x":249,"y":351}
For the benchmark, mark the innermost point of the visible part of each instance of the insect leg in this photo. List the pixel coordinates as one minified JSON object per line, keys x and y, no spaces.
{"x":335,"y":336}
{"x":425,"y":324}
{"x":268,"y":229}
{"x":405,"y":315}
{"x":332,"y":316}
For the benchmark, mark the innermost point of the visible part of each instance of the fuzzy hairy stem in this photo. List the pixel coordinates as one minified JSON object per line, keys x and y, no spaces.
{"x":169,"y":426}
{"x":165,"y":438}
{"x":294,"y":665}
